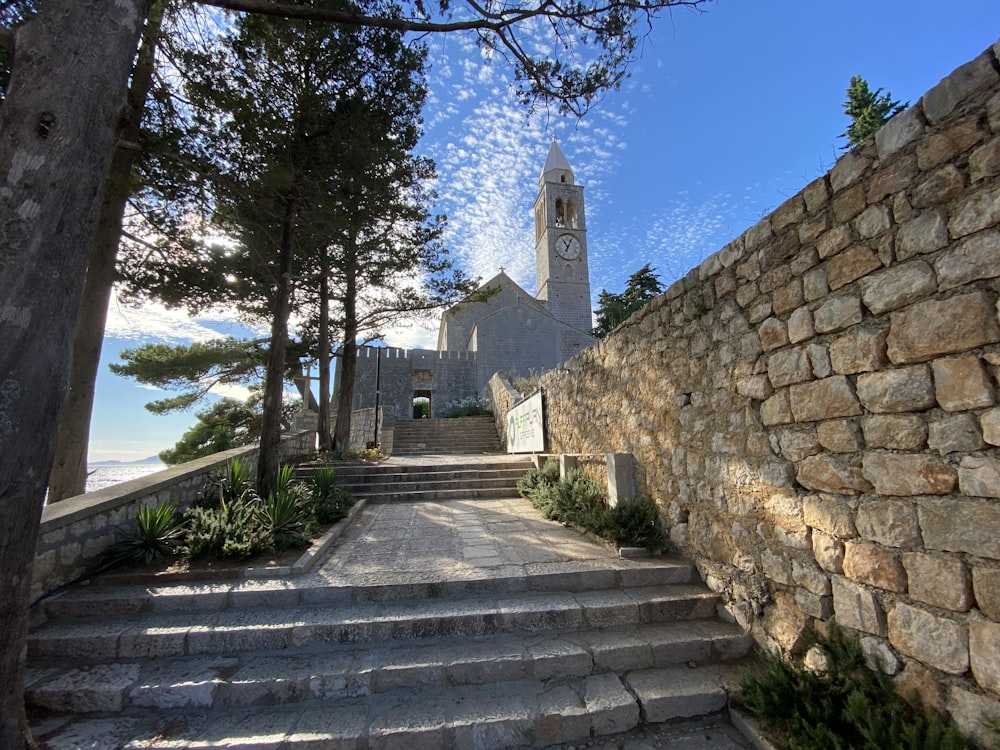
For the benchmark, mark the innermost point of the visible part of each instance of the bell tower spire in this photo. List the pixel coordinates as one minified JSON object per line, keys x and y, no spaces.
{"x":562,"y":273}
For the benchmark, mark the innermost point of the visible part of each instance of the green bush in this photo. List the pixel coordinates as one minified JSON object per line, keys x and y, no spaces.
{"x":534,"y":478}
{"x":157,"y":532}
{"x":470,"y":406}
{"x":632,"y":523}
{"x":235,"y":483}
{"x":286,"y":516}
{"x":329,"y":502}
{"x":845,"y":707}
{"x":576,"y":500}
{"x":232,"y":530}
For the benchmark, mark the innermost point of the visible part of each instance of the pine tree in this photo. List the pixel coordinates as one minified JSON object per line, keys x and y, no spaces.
{"x":869,"y":110}
{"x":615,"y":309}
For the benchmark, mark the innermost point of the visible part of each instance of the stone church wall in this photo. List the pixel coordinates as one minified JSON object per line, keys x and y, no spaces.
{"x":815,"y":407}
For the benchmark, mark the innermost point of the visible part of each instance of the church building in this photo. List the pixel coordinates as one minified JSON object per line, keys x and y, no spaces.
{"x":511,"y":331}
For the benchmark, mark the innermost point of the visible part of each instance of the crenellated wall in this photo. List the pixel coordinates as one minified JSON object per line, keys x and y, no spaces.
{"x":815,"y":407}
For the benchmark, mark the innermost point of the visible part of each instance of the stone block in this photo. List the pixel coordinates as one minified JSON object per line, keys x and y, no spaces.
{"x":773,"y":334}
{"x":811,"y":578}
{"x":756,"y":236}
{"x":610,"y":706}
{"x":848,"y":169}
{"x":757,"y":387}
{"x":787,"y":297}
{"x":725,"y":284}
{"x":840,"y":436}
{"x":797,"y":444}
{"x":829,"y":398}
{"x":837,"y":313}
{"x":925,"y":233}
{"x":846,"y":206}
{"x":874,"y":565}
{"x":848,"y":266}
{"x":789,"y":212}
{"x":830,"y":514}
{"x":859,"y":351}
{"x":968,"y":709}
{"x":954,"y":434}
{"x":776,"y":410}
{"x":816,"y":194}
{"x":972,"y":259}
{"x":819,"y":360}
{"x":979,"y":476}
{"x":944,"y":146}
{"x":902,"y":474}
{"x":814,"y":284}
{"x":984,"y":162}
{"x":898,"y":286}
{"x":810,"y":231}
{"x":901,"y":209}
{"x":749,"y":270}
{"x":938,"y":187}
{"x":893,"y":391}
{"x":814,"y":605}
{"x":828,"y":551}
{"x":903,"y":432}
{"x":879,"y":656}
{"x":986,"y":585}
{"x":984,"y":653}
{"x":788,"y":366}
{"x":990,"y":422}
{"x":800,"y":326}
{"x":939,"y":580}
{"x":893,"y":178}
{"x":856,"y":607}
{"x":872,"y":222}
{"x":918,"y":680}
{"x":775,"y":567}
{"x":962,"y":383}
{"x":933,"y":640}
{"x":676,"y":693}
{"x":825,"y":473}
{"x":960,"y":524}
{"x":961,"y":84}
{"x":892,"y":523}
{"x":899,"y":132}
{"x":746,"y":294}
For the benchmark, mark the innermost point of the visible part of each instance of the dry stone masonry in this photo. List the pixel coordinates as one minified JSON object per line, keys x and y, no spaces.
{"x":815,"y":407}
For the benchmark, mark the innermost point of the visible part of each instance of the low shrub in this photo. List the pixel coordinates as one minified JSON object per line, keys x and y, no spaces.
{"x":534,"y":478}
{"x":231,"y":531}
{"x":846,"y":706}
{"x":329,"y":503}
{"x":157,"y":532}
{"x":470,"y":406}
{"x":632,"y":523}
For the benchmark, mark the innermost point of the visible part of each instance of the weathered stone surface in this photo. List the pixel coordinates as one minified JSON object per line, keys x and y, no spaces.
{"x":800,"y":326}
{"x":776,"y":567}
{"x":789,"y":212}
{"x":819,"y":359}
{"x":846,"y":206}
{"x":778,"y":272}
{"x":847,"y":170}
{"x":990,"y":422}
{"x":961,"y":383}
{"x":924,"y":234}
{"x":876,"y":566}
{"x":899,"y":132}
{"x":856,"y":607}
{"x":962,"y":83}
{"x":898,"y":286}
{"x":946,"y":145}
{"x":759,"y":310}
{"x":973,"y":258}
{"x":787,"y":297}
{"x":984,"y":653}
{"x":757,"y":387}
{"x":968,"y":709}
{"x":814,"y":605}
{"x":936,"y":641}
{"x":788,"y":366}
{"x":831,"y":474}
{"x":776,"y":410}
{"x":810,"y":231}
{"x":832,"y":242}
{"x":829,"y":398}
{"x":986,"y":585}
{"x":873,"y":221}
{"x":773,"y":334}
{"x":935,"y":327}
{"x":814,"y":285}
{"x":902,"y":211}
{"x":859,"y":351}
{"x":816,"y":194}
{"x":830,"y":514}
{"x":810,"y":577}
{"x":959,"y":432}
{"x":757,"y":235}
{"x":893,"y":178}
{"x":960,"y":525}
{"x":984,"y":162}
{"x":892,"y":523}
{"x":828,"y":551}
{"x":894,"y":391}
{"x":878,"y":655}
{"x":979,"y":476}
{"x":797,"y":444}
{"x":940,"y":580}
{"x":918,"y":680}
{"x":837,"y":313}
{"x":938,"y":187}
{"x":840,"y":436}
{"x":900,"y":474}
{"x":852,"y":264}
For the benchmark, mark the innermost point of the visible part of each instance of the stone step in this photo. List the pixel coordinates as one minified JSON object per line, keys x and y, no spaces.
{"x":521,"y":713}
{"x":107,"y":601}
{"x":129,"y":637}
{"x":362,"y":489}
{"x":342,"y":670}
{"x":488,"y":468}
{"x":471,"y":477}
{"x":465,"y":493}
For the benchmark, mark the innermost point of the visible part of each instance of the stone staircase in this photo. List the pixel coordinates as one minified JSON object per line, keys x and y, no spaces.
{"x":554,"y":640}
{"x":445,"y":436}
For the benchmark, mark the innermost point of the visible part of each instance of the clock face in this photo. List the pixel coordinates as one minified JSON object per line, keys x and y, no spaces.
{"x":568,"y":247}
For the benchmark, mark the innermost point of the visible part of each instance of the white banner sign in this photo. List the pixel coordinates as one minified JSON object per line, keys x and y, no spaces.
{"x":525,"y":433}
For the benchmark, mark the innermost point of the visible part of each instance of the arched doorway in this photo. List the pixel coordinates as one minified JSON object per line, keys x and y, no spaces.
{"x":421,"y":404}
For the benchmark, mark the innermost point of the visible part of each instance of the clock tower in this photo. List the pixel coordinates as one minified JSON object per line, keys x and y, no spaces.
{"x":562,"y":274}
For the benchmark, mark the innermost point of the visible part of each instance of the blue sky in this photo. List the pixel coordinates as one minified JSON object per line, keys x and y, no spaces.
{"x":726,"y":114}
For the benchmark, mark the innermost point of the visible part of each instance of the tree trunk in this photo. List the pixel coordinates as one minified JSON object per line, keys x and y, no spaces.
{"x":323,"y":426}
{"x":57,"y":135}
{"x":348,"y":360}
{"x":274,"y":381}
{"x":69,"y":468}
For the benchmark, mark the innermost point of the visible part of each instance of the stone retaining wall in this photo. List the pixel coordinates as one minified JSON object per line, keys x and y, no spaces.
{"x":75,"y":532}
{"x":814,"y":408}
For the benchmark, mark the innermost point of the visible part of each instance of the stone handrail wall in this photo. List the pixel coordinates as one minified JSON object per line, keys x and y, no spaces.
{"x":814,"y":408}
{"x":500,"y":398}
{"x":75,"y":532}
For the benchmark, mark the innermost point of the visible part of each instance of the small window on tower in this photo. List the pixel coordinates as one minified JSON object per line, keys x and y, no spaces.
{"x":571,"y":213}
{"x":560,"y":213}
{"x":562,"y":178}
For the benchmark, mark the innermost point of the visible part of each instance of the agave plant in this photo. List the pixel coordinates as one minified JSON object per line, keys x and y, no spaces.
{"x":158,"y":531}
{"x":236,"y":483}
{"x":284,"y":515}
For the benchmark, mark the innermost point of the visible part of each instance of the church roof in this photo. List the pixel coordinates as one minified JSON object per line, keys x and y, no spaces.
{"x":555,"y":160}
